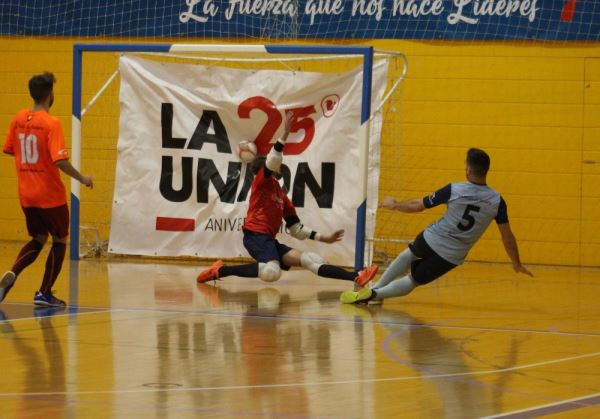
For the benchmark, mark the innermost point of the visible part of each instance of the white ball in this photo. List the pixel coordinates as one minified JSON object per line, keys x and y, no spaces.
{"x":247,"y":151}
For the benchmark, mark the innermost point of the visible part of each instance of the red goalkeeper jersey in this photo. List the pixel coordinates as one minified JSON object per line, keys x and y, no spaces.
{"x":268,"y":205}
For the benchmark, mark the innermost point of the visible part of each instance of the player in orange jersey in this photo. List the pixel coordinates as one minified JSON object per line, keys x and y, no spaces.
{"x":36,"y":140}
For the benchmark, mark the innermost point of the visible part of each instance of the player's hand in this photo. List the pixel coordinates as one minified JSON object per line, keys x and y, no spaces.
{"x":336,"y":236}
{"x":388,"y":203}
{"x":522,"y":269}
{"x":87,"y":181}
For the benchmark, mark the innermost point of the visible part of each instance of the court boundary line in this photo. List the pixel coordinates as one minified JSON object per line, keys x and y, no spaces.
{"x":343,"y":320}
{"x":56,"y":315}
{"x":549,"y":408}
{"x":307,"y":384}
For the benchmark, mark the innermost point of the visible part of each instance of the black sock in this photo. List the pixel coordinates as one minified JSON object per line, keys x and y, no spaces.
{"x":249,"y":270}
{"x":27,"y":256}
{"x":53,"y":266}
{"x":330,"y":271}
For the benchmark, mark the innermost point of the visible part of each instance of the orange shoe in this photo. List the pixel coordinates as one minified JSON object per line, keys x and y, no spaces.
{"x":366,"y":275}
{"x":210,"y":274}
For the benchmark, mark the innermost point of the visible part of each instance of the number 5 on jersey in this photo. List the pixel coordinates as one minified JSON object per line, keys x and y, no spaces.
{"x":470,"y":220}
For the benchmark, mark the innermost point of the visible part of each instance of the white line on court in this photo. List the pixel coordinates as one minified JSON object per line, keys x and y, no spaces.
{"x":66,"y":314}
{"x":343,"y":320}
{"x":264,"y":386}
{"x":545,"y":406}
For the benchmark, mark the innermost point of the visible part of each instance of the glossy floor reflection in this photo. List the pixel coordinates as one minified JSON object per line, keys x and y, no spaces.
{"x":142,"y":339}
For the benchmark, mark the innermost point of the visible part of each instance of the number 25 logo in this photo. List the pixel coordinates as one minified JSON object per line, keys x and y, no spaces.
{"x":301,"y":120}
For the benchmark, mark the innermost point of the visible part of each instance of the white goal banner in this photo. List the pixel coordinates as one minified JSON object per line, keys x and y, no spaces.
{"x":180,"y":187}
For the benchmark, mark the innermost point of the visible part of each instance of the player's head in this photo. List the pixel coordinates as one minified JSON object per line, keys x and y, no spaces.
{"x":41,"y":88}
{"x":478,"y":163}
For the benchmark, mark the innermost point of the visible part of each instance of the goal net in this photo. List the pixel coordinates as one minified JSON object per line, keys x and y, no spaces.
{"x":466,"y":20}
{"x":129,"y":95}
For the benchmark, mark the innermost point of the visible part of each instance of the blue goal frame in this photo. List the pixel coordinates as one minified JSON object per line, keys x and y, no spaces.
{"x":365,"y":52}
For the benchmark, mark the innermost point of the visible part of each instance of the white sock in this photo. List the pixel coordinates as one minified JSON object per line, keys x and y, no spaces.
{"x":397,"y":268}
{"x":397,"y":288}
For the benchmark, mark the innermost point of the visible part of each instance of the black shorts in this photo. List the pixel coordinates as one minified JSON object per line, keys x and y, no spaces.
{"x":265,"y":248}
{"x":44,"y":221}
{"x":430,"y":266}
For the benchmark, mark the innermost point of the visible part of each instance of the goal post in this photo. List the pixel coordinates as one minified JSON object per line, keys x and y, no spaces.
{"x":364,"y":53}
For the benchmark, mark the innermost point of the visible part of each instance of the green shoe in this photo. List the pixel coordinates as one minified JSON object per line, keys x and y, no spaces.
{"x":360,"y":296}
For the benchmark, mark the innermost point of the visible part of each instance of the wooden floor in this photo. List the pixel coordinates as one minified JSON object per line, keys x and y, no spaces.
{"x":142,"y":340}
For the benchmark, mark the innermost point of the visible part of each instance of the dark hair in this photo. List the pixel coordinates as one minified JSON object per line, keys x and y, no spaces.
{"x":40,"y":86}
{"x":478,"y":161}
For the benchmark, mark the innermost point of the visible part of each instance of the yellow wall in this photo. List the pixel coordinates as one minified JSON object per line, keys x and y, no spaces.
{"x":534,"y":107}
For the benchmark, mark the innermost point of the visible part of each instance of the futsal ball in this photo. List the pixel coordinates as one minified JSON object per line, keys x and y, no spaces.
{"x":247,"y":151}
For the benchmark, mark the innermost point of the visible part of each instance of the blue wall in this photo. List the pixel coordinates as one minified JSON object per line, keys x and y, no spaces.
{"x":437,"y":19}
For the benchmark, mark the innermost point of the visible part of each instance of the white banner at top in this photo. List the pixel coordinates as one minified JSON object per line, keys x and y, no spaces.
{"x":180,"y":187}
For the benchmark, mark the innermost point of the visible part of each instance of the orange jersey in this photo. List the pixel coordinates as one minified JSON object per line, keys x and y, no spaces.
{"x":36,"y":140}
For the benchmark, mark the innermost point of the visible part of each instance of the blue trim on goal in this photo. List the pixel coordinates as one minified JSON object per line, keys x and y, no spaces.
{"x":76,"y":112}
{"x":317,"y":49}
{"x":365,"y":114}
{"x":366,"y":52}
{"x":76,"y":98}
{"x":74,"y":249}
{"x":123,"y":47}
{"x":361,"y":217}
{"x":78,"y":50}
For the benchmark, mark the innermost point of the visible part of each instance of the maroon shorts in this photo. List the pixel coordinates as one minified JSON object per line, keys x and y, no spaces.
{"x":44,"y":221}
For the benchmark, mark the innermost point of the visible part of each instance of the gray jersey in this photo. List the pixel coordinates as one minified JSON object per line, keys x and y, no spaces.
{"x":471,"y":209}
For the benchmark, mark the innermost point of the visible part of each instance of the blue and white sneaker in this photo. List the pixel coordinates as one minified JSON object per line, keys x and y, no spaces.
{"x":374,"y":301}
{"x":47,"y":300}
{"x":6,"y":283}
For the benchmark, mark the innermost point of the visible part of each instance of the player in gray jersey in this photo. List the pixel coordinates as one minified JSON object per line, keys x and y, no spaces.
{"x":444,"y":245}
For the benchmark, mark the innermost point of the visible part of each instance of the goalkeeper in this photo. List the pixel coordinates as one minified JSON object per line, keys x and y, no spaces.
{"x":268,"y":207}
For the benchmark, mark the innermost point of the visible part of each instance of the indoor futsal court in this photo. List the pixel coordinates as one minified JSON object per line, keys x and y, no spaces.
{"x":147,"y":141}
{"x":142,"y":339}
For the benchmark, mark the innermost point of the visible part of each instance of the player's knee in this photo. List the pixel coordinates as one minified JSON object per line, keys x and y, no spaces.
{"x":269,"y":272}
{"x":311,"y":261}
{"x":59,"y":240}
{"x":41,"y":239}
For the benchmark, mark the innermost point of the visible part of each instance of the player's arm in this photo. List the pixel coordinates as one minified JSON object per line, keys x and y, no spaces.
{"x":299,"y":231}
{"x":9,"y":140}
{"x":441,"y":196}
{"x":293,"y":225}
{"x":60,"y":154}
{"x":509,"y":240}
{"x":8,"y":145}
{"x":410,"y":205}
{"x":275,"y":156}
{"x":66,"y":166}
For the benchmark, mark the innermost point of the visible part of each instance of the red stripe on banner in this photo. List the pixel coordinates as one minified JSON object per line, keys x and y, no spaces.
{"x":175,"y":224}
{"x":568,"y":11}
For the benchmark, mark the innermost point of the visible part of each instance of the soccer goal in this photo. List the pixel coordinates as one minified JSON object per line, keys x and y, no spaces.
{"x":161,"y":144}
